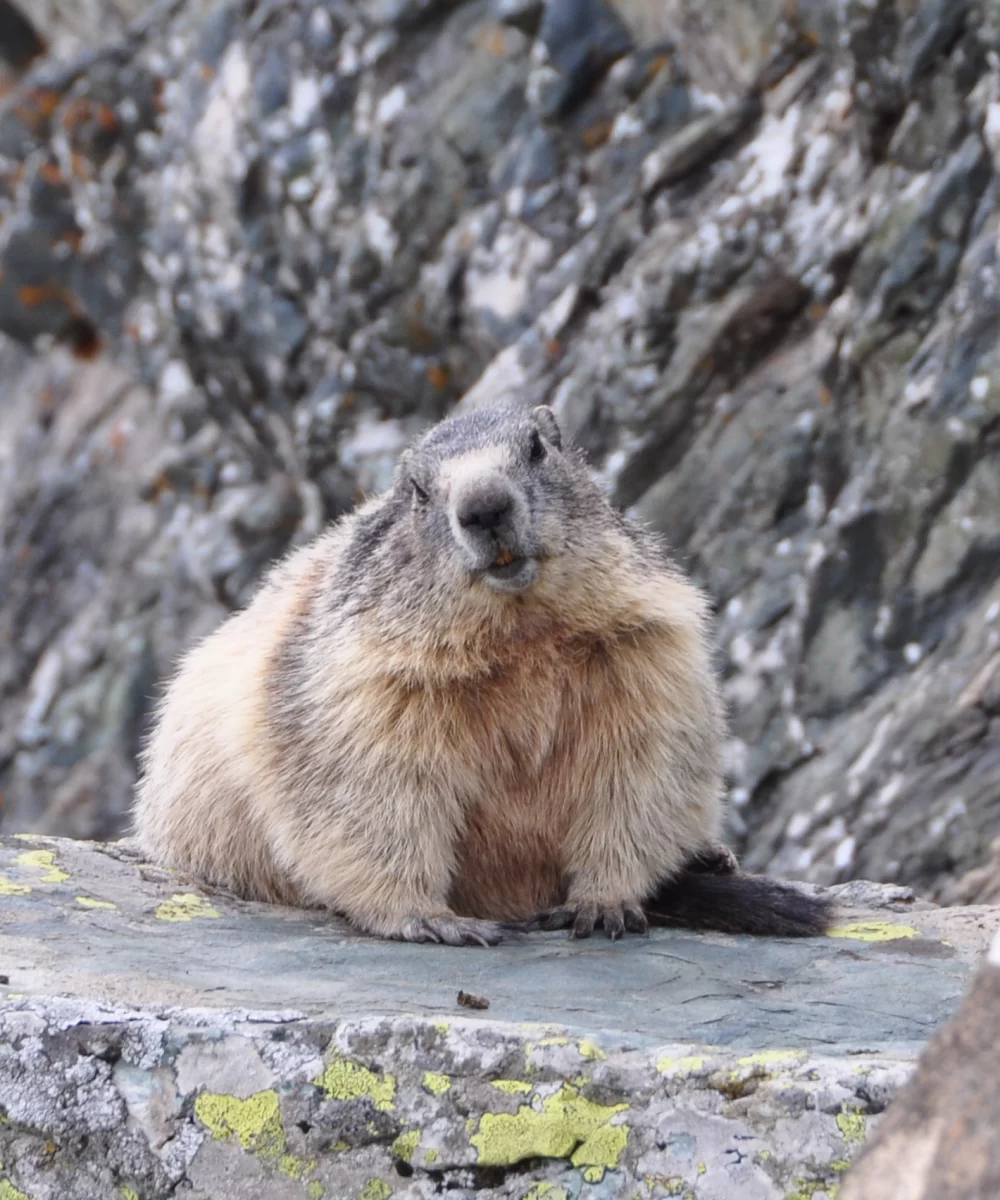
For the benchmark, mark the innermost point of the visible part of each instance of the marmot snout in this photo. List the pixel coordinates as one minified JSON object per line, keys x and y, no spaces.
{"x":484,"y":697}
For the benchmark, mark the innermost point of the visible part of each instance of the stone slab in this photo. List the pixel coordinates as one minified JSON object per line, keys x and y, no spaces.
{"x":154,"y":1035}
{"x":940,"y":1136}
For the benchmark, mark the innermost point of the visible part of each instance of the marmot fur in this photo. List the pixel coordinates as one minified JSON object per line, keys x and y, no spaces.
{"x":483,"y":698}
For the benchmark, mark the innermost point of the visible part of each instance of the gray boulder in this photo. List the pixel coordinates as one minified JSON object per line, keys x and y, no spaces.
{"x":940,"y":1136}
{"x":159,"y":1040}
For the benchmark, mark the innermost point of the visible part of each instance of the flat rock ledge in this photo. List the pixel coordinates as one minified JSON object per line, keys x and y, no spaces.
{"x":157,"y":1040}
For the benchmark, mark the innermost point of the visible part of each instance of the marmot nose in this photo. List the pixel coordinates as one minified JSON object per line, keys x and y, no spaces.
{"x":484,"y":509}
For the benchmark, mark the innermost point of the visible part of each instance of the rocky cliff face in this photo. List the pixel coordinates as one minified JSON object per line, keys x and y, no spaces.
{"x":748,"y":251}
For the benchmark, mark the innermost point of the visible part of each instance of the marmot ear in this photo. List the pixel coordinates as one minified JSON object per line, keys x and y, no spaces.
{"x":404,"y":468}
{"x":548,"y":426}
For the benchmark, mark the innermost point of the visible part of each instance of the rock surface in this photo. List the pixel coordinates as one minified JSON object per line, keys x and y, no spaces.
{"x":158,"y":1040}
{"x":747,"y":250}
{"x":940,"y":1137}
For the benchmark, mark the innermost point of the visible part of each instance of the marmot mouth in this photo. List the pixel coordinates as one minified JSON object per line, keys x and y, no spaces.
{"x":510,"y":572}
{"x":506,"y":565}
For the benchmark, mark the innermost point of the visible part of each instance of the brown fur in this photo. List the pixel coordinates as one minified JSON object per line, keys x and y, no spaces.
{"x":384,"y":734}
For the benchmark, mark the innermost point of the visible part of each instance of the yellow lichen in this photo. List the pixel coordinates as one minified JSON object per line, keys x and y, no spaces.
{"x":375,"y":1189}
{"x":770,"y":1058}
{"x":254,"y":1122}
{"x":851,"y":1126}
{"x":430,"y":1157}
{"x":316,"y":1190}
{"x":9,"y":1192}
{"x":566,"y":1126}
{"x":806,"y":1189}
{"x":406,"y":1144}
{"x":546,"y":1191}
{"x":256,"y":1125}
{"x":346,"y":1080}
{"x":44,"y":861}
{"x":185,"y":906}
{"x":680,"y":1066}
{"x":601,"y":1150}
{"x":511,"y":1086}
{"x":90,"y":902}
{"x":8,"y":888}
{"x":442,"y":1026}
{"x":672,"y":1185}
{"x":873,"y":931}
{"x":296,"y":1168}
{"x":590,"y":1051}
{"x":436,"y":1084}
{"x":128,"y":1193}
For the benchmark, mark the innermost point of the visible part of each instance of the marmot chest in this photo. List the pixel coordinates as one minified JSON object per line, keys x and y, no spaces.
{"x":532,"y":736}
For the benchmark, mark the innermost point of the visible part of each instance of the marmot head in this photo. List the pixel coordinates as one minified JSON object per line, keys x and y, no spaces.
{"x":494,"y":494}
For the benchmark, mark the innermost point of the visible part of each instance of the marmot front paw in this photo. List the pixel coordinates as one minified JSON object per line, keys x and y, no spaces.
{"x":614,"y":919}
{"x":453,"y":931}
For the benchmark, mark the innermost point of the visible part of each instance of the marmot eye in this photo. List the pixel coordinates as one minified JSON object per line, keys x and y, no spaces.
{"x":536,"y":451}
{"x":418,"y":491}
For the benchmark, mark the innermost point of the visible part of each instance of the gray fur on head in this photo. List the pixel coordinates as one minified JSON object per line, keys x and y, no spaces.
{"x":494,"y":494}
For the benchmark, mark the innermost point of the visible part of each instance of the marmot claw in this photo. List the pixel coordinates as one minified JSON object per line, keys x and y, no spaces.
{"x":453,"y":931}
{"x":613,"y":919}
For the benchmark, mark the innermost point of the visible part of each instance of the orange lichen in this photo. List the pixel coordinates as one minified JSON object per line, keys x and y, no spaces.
{"x":597,"y":134}
{"x":437,"y":376}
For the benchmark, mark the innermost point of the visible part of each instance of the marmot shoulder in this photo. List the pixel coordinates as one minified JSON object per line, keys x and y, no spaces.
{"x":483,"y":698}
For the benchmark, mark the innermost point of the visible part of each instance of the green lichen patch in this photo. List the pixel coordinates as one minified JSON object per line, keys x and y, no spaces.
{"x":9,"y":1192}
{"x":546,"y":1191}
{"x":566,"y":1126}
{"x":375,"y":1189}
{"x":185,"y":906}
{"x":9,"y":888}
{"x":511,"y":1086}
{"x":742,"y":1080}
{"x":873,"y":931}
{"x":128,"y":1193}
{"x":590,"y":1050}
{"x":772,"y":1058}
{"x":90,"y":902}
{"x":806,"y":1189}
{"x":436,"y":1084}
{"x":680,"y":1066}
{"x":254,"y":1122}
{"x":44,"y":861}
{"x":851,"y":1126}
{"x":296,"y":1168}
{"x":256,"y":1125}
{"x":669,"y":1185}
{"x":346,"y":1080}
{"x":405,"y":1146}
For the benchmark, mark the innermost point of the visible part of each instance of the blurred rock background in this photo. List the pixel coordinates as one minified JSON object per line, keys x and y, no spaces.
{"x":747,"y":250}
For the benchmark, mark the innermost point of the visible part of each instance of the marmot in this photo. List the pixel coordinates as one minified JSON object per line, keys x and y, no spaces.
{"x":483,"y":700}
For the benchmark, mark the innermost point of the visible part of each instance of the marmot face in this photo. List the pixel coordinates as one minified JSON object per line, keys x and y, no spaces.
{"x":493,"y":495}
